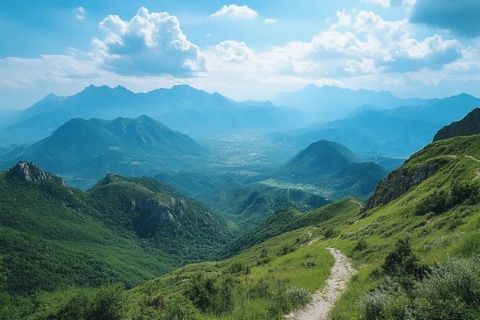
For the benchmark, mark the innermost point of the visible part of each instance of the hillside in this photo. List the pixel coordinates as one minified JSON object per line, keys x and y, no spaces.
{"x":419,"y":237}
{"x":468,"y":126}
{"x":332,"y":168}
{"x":182,"y":108}
{"x":439,"y":216}
{"x":85,"y":150}
{"x":122,"y":231}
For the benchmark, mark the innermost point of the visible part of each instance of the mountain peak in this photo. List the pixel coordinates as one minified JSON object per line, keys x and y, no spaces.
{"x":468,"y":126}
{"x":30,"y":172}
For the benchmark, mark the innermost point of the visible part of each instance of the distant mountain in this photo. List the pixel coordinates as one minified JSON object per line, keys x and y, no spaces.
{"x":468,"y":126}
{"x":330,"y":103}
{"x":85,"y":150}
{"x":123,"y":230}
{"x":395,"y":133}
{"x":182,"y":108}
{"x":334,"y":169}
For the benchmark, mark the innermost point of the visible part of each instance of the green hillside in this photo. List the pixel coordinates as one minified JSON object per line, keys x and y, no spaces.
{"x":83,"y":151}
{"x":332,"y":168}
{"x":415,"y":245}
{"x":123,"y":230}
{"x":438,"y":218}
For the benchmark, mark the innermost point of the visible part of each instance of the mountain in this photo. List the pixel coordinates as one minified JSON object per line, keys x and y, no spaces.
{"x":245,"y":202}
{"x":414,"y":247}
{"x":468,"y":126}
{"x":332,"y":168}
{"x":123,"y":230}
{"x":415,"y":254}
{"x":329,"y":103}
{"x":182,"y":108}
{"x":85,"y":150}
{"x":394,"y":133}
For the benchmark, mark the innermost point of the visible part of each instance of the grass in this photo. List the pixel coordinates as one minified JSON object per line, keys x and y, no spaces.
{"x":260,"y":277}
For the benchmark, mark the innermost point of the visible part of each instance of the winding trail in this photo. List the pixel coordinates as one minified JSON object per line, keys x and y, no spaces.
{"x":324,"y":299}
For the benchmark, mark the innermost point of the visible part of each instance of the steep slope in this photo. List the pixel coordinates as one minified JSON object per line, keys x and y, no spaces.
{"x":182,"y":108}
{"x":85,"y":150}
{"x":439,"y":216}
{"x":468,"y":126}
{"x":123,"y":230}
{"x":333,"y":169}
{"x":394,"y":133}
{"x":165,"y":218}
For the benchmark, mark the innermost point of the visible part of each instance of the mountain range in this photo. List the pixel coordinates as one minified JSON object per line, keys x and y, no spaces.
{"x":328,"y":103}
{"x":181,"y":108}
{"x":84,"y":150}
{"x":414,"y":244}
{"x":394,"y":133}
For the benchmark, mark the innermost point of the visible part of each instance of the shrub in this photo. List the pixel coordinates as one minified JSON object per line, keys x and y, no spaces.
{"x":104,"y":303}
{"x":450,"y":291}
{"x":298,"y":297}
{"x":309,"y":263}
{"x":402,"y":261}
{"x":211,"y":295}
{"x":176,"y":308}
{"x":361,"y":245}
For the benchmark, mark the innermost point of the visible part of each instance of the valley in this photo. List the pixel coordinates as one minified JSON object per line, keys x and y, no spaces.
{"x":125,"y":218}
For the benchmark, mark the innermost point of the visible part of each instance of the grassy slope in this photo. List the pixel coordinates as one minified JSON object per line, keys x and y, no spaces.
{"x":46,"y":243}
{"x":434,"y":237}
{"x":279,"y":264}
{"x":365,"y":237}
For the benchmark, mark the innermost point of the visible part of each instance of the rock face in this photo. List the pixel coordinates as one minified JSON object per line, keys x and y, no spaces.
{"x":468,"y":126}
{"x":400,"y":181}
{"x":30,"y":172}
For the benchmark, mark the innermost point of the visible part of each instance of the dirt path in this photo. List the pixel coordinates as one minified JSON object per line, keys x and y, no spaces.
{"x":324,"y":299}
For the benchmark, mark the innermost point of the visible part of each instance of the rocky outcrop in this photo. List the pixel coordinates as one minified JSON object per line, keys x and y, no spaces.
{"x":30,"y":172}
{"x":468,"y":126}
{"x":402,"y":180}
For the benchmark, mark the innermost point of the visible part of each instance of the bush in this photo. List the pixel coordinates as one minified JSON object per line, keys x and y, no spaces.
{"x":211,"y":295}
{"x":176,"y":308}
{"x":309,"y":263}
{"x":104,"y":303}
{"x":450,"y":291}
{"x":402,"y":261}
{"x":361,"y":245}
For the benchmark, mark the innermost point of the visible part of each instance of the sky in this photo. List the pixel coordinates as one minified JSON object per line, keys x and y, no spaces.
{"x":244,"y":50}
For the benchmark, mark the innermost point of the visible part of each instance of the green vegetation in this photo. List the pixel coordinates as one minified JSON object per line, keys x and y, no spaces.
{"x":416,"y":251}
{"x":263,"y":282}
{"x":123,"y":230}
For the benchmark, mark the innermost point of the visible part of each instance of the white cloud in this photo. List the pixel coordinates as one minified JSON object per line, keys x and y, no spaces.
{"x":80,"y":13}
{"x":236,"y":12}
{"x":270,"y":21}
{"x":151,"y":43}
{"x":233,"y":51}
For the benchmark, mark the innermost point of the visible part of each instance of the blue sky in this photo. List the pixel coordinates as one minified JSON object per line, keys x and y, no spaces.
{"x":246,"y":50}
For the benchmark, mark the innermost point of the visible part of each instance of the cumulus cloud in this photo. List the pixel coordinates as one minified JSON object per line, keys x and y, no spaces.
{"x":151,"y":43}
{"x":364,"y":42}
{"x":233,"y":51}
{"x":460,"y":17}
{"x":236,"y":12}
